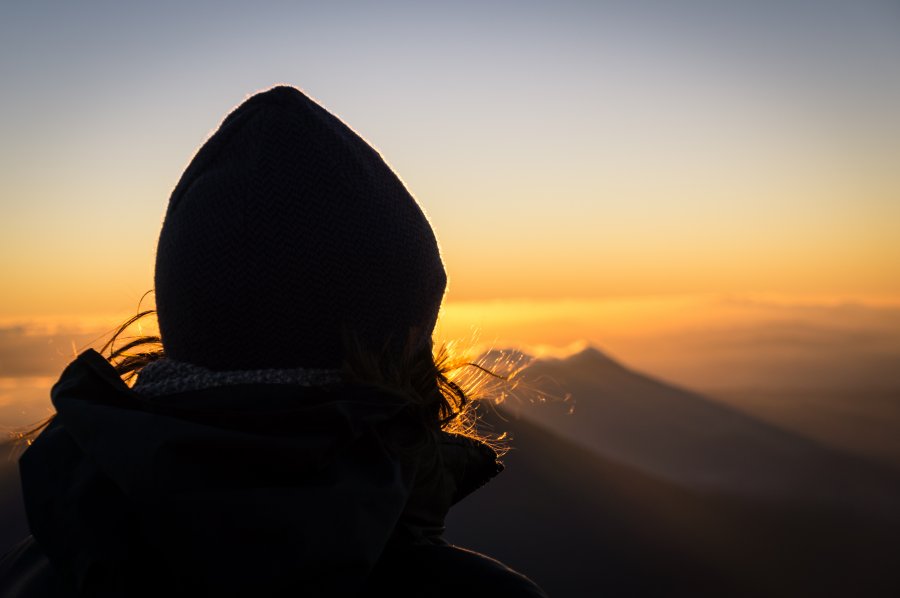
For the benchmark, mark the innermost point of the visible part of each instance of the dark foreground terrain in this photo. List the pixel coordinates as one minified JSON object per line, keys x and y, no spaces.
{"x":581,"y":525}
{"x":13,"y":526}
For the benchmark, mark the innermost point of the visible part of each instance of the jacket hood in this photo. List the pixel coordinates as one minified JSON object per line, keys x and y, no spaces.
{"x":255,"y":488}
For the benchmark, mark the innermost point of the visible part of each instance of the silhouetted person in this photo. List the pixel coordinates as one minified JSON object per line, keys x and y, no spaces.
{"x":293,"y":434}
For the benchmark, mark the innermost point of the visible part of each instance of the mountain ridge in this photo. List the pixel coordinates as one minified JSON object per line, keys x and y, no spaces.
{"x":688,"y":438}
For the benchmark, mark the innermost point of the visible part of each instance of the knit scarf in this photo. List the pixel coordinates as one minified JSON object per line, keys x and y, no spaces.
{"x":167,"y":377}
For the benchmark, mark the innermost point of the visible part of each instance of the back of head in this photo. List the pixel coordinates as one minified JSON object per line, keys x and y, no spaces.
{"x":286,"y":232}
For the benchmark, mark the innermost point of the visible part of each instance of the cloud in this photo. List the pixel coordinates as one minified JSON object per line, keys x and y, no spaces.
{"x":699,"y":342}
{"x":712,"y":342}
{"x":29,"y":350}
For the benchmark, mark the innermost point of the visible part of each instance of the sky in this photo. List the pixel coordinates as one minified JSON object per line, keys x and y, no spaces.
{"x":564,"y":151}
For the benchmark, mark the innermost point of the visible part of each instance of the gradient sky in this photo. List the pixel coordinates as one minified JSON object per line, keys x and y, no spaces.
{"x":561,"y":150}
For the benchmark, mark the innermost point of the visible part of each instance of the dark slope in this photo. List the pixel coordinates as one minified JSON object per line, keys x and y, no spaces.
{"x":861,"y":421}
{"x":682,"y":436}
{"x":581,"y":525}
{"x":13,"y":526}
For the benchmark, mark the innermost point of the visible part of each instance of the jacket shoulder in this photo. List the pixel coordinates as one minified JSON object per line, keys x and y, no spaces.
{"x":444,"y":571}
{"x":25,"y":572}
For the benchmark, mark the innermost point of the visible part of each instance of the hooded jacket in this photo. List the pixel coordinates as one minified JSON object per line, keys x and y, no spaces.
{"x":254,"y":489}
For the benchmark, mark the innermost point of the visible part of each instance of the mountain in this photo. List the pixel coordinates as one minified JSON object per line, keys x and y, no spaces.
{"x":863,"y":421}
{"x":13,"y":526}
{"x":583,"y":525}
{"x":684,"y":437}
{"x":634,"y":487}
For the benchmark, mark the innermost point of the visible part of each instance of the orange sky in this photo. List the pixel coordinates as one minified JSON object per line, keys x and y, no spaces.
{"x":567,"y":156}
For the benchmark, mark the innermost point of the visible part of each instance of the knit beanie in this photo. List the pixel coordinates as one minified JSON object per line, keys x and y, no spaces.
{"x":285,"y":232}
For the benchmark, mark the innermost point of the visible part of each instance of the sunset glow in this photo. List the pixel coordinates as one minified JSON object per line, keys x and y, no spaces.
{"x":585,"y":184}
{"x":671,"y":235}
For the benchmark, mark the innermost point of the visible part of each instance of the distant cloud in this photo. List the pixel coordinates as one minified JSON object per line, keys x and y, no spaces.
{"x":711,"y":342}
{"x":27,"y":350}
{"x":698,"y":342}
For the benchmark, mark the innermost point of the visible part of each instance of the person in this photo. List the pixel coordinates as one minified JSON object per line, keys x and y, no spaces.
{"x":291,"y":430}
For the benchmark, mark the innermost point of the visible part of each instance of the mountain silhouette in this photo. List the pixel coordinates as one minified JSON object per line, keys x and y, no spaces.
{"x":583,"y":525}
{"x":13,"y":525}
{"x":634,"y":487}
{"x":684,"y":437}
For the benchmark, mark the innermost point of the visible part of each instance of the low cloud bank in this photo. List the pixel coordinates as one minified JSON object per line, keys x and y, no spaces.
{"x":705,"y":342}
